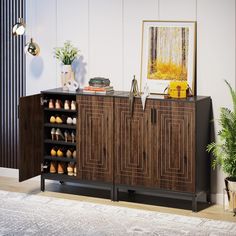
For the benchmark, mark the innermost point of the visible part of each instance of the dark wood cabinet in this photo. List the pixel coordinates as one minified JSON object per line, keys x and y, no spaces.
{"x":30,"y":137}
{"x":160,"y":149}
{"x":174,"y":146}
{"x":155,"y":147}
{"x":95,"y":138}
{"x":163,"y":148}
{"x":132,"y":143}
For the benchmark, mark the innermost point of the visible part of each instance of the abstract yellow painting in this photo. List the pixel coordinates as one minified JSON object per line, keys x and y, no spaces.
{"x":168,"y":53}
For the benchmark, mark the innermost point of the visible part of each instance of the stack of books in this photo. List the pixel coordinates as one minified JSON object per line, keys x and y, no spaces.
{"x":98,"y":90}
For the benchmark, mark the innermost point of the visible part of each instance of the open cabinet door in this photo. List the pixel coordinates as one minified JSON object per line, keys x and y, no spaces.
{"x":31,"y":137}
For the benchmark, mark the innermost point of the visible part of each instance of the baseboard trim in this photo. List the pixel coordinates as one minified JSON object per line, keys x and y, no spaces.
{"x":217,"y":198}
{"x":7,"y":172}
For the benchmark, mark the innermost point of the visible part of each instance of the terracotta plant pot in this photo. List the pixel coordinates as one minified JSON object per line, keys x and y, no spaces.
{"x":230,"y":184}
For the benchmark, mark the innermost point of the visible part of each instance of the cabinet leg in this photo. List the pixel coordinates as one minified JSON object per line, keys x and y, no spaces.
{"x":194,"y":203}
{"x":208,"y":197}
{"x":112,"y":193}
{"x":42,"y":184}
{"x":131,"y":194}
{"x":116,"y":194}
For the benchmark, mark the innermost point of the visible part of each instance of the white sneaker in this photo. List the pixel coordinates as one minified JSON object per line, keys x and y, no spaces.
{"x":69,"y":120}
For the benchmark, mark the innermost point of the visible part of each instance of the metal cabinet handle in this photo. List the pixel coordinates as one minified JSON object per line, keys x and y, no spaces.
{"x":154,"y":116}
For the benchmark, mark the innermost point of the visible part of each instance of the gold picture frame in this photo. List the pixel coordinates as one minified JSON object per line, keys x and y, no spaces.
{"x":167,"y":54}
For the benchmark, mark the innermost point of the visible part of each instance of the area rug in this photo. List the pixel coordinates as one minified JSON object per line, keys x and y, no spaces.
{"x":25,"y":214}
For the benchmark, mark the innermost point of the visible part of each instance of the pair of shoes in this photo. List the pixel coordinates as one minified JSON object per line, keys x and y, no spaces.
{"x":71,"y":121}
{"x":57,"y":167}
{"x":71,"y":153}
{"x":69,"y":137}
{"x":57,"y":104}
{"x":56,"y":134}
{"x":57,"y":119}
{"x":69,"y":105}
{"x":55,"y":151}
{"x":71,"y":169}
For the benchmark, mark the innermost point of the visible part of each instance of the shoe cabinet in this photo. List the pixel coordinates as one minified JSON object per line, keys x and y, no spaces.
{"x":48,"y":135}
{"x":160,"y":150}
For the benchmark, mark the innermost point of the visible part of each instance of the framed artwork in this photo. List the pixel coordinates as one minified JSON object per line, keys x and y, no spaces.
{"x":168,"y":53}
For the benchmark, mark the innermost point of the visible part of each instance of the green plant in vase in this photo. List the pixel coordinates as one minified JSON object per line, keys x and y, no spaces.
{"x":224,"y":151}
{"x":66,"y":55}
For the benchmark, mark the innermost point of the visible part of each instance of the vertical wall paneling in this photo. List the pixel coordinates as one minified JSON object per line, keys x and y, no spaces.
{"x":216,"y":59}
{"x":12,"y":83}
{"x":72,"y":25}
{"x":177,"y":10}
{"x":105,"y":40}
{"x":132,"y":35}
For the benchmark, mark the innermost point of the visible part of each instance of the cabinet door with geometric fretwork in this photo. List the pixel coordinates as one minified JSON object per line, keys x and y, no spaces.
{"x":94,"y":138}
{"x":174,"y":145}
{"x":132,"y":143}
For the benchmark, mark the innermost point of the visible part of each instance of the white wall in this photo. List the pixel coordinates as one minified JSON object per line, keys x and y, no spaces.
{"x":108,"y":35}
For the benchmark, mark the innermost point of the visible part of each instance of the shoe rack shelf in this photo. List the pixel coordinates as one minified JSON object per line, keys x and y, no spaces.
{"x":59,"y":110}
{"x":64,"y":126}
{"x":64,"y":159}
{"x":60,"y":165}
{"x":55,"y":142}
{"x":60,"y":177}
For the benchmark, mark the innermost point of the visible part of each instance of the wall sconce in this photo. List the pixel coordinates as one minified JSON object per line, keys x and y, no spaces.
{"x":19,"y":28}
{"x":32,"y":48}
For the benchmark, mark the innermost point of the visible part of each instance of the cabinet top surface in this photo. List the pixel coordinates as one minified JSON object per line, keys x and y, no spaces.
{"x":124,"y":94}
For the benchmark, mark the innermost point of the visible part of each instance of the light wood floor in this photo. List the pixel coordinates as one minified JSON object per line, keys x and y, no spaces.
{"x":55,"y":189}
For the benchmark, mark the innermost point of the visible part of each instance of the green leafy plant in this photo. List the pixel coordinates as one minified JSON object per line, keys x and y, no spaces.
{"x":66,"y":54}
{"x":224,"y":151}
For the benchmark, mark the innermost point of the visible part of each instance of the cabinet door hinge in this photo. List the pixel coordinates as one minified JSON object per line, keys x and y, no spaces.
{"x":42,"y":167}
{"x":43,"y":101}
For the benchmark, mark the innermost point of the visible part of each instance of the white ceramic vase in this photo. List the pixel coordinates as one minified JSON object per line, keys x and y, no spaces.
{"x":66,"y":74}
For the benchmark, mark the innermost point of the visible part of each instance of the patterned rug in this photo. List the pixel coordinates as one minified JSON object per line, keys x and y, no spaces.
{"x":24,"y":214}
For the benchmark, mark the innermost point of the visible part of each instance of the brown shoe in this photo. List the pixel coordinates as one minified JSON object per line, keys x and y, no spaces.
{"x":60,"y":168}
{"x":53,"y":167}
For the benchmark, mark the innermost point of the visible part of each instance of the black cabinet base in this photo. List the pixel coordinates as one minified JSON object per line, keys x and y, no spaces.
{"x":161,"y":193}
{"x":114,"y":189}
{"x":71,"y":179}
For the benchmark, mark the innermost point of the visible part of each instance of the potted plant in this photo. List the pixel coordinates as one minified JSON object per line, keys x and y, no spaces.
{"x":66,"y":54}
{"x":224,"y":151}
